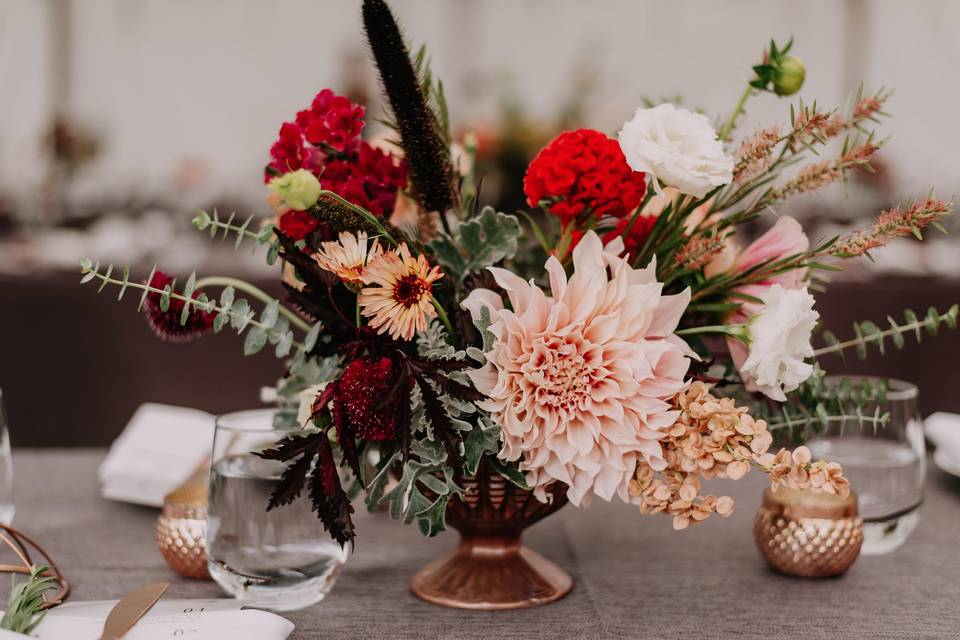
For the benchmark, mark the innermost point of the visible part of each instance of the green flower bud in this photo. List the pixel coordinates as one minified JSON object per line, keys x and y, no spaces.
{"x":299,"y":189}
{"x":788,"y":76}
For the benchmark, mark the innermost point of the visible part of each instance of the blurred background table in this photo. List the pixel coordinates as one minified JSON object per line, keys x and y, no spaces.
{"x":635,"y":577}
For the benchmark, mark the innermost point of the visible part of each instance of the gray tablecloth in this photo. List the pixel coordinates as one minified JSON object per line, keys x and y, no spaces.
{"x":635,"y":577}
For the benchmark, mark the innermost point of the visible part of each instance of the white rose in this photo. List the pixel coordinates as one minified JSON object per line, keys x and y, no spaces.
{"x":677,"y":147}
{"x":780,"y":342}
{"x":307,"y":397}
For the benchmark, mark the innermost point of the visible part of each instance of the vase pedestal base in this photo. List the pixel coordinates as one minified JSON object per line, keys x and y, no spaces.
{"x":489,"y":574}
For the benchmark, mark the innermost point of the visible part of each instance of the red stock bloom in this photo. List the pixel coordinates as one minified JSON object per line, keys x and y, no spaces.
{"x":583,"y":171}
{"x":369,"y":179}
{"x":166,"y":324}
{"x":297,"y":225}
{"x":288,"y":153}
{"x":360,"y":390}
{"x":333,"y":121}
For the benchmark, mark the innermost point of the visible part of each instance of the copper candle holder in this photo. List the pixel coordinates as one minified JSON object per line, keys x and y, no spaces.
{"x":808,"y":534}
{"x":182,"y":527}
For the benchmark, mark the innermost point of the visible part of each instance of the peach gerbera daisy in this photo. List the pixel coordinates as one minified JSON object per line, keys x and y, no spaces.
{"x":581,"y":382}
{"x":401,"y":301}
{"x":347,"y":257}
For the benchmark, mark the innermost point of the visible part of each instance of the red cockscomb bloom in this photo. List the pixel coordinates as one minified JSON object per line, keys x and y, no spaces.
{"x":583,"y":171}
{"x":297,"y":225}
{"x":333,"y":121}
{"x":166,"y":324}
{"x":361,"y":388}
{"x":288,"y":153}
{"x":370,"y":179}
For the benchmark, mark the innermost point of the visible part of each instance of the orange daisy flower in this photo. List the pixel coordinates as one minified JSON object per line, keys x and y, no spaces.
{"x":400,"y":303}
{"x":347,"y":257}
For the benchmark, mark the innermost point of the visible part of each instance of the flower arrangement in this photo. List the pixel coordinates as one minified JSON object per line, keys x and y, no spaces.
{"x":570,"y":346}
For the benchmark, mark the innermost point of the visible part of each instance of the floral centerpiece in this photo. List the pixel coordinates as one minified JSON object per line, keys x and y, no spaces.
{"x":489,"y":363}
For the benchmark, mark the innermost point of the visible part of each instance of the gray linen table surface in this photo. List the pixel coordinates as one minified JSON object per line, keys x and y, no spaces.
{"x":635,"y":577}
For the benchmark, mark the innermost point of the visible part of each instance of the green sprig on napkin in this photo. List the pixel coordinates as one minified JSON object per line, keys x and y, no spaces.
{"x":25,"y":609}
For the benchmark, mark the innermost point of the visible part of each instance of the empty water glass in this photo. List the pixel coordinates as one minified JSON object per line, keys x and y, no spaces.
{"x":6,"y":469}
{"x":886,"y":464}
{"x":280,"y":559}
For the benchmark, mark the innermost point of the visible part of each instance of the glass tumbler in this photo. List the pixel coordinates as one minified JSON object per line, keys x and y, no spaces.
{"x":281,"y":559}
{"x":7,"y":507}
{"x":886,"y":464}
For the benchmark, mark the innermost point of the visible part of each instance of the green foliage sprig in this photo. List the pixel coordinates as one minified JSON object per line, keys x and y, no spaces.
{"x":271,"y":327}
{"x":868,"y":333}
{"x":478,"y":243}
{"x":25,"y":608}
{"x":225,"y":228}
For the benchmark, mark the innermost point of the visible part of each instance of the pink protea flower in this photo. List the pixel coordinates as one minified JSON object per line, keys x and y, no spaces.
{"x":580,"y":382}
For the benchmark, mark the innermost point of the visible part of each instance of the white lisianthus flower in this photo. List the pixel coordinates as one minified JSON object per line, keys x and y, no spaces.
{"x":780,"y":342}
{"x":678,"y":148}
{"x":307,"y":397}
{"x":299,"y":189}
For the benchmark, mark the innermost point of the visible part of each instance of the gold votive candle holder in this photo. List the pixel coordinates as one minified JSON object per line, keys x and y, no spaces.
{"x":182,"y":528}
{"x":809,"y":534}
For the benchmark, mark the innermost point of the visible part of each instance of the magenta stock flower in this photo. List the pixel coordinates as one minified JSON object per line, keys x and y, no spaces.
{"x":581,"y":382}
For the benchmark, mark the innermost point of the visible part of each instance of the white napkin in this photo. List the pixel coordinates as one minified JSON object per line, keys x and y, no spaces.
{"x":158,"y":450}
{"x":219,"y":619}
{"x":943,"y":430}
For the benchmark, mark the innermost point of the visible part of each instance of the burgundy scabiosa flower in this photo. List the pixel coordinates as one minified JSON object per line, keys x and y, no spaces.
{"x":166,"y":324}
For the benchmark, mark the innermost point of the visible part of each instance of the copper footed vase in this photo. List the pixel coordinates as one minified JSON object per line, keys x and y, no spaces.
{"x":491,"y":569}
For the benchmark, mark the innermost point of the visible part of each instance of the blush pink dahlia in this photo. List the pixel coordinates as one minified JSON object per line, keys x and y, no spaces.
{"x":581,"y":382}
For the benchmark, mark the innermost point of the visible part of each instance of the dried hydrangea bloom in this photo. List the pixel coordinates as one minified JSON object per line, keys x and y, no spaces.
{"x":713,"y":437}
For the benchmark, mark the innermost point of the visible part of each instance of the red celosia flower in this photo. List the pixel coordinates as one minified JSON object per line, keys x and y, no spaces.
{"x":583,"y":171}
{"x":297,"y":225}
{"x":166,"y":324}
{"x":370,"y":179}
{"x":288,"y":153}
{"x":333,"y":121}
{"x":360,"y":390}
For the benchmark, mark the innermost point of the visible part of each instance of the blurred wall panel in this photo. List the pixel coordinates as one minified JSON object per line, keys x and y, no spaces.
{"x":207,"y":83}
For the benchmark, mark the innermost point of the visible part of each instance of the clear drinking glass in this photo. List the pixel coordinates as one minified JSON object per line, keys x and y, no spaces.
{"x":7,"y":507}
{"x":886,"y":465}
{"x":281,"y":559}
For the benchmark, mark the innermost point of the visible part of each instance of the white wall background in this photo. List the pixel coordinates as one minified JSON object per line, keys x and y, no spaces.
{"x":206,"y":83}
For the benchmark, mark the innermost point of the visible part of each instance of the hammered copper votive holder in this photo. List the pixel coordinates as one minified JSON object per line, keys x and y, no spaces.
{"x":808,"y":534}
{"x":182,"y":527}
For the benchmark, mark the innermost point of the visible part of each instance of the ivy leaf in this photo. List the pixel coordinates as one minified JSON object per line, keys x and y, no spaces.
{"x":478,"y":443}
{"x":509,"y":471}
{"x":483,"y":241}
{"x":431,"y":520}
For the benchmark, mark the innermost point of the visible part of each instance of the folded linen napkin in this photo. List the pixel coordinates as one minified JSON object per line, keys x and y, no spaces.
{"x":943,"y":430}
{"x":160,"y":447}
{"x":218,"y":619}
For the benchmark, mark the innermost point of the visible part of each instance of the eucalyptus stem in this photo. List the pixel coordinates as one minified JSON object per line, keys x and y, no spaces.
{"x":732,"y":120}
{"x":256,"y":292}
{"x":880,"y":335}
{"x":209,"y":306}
